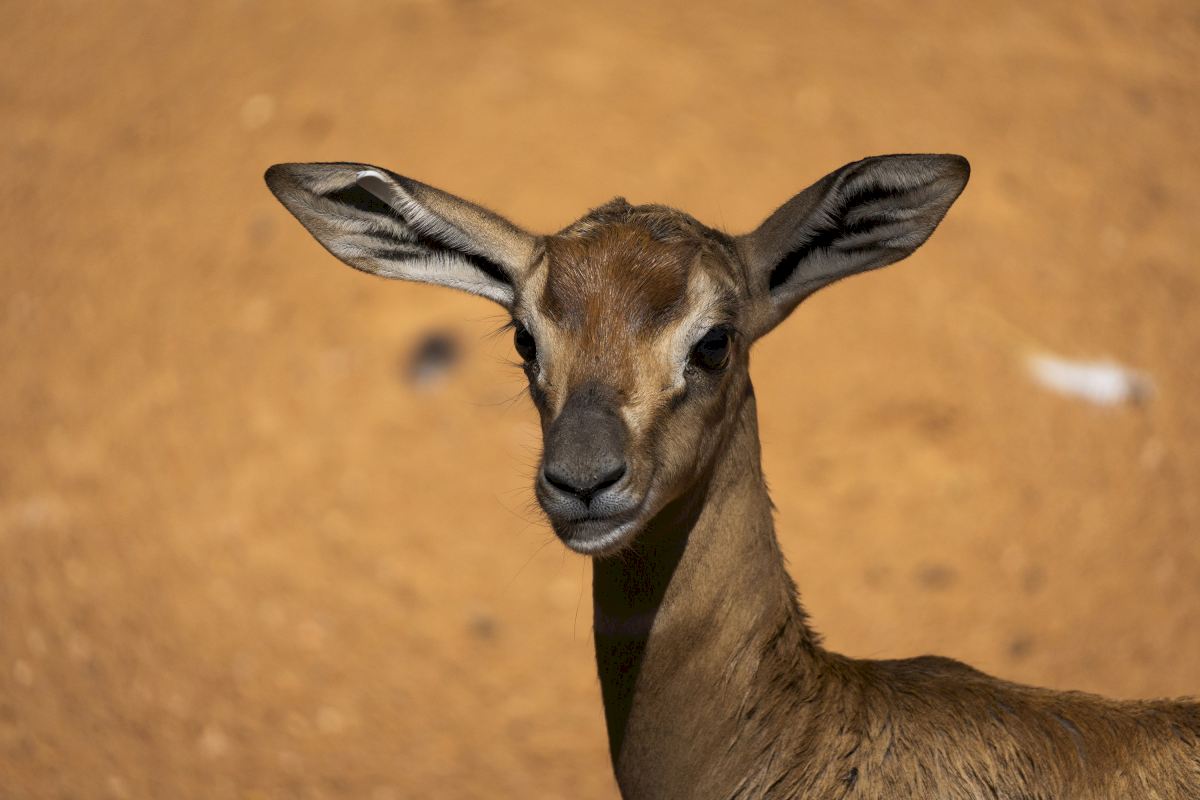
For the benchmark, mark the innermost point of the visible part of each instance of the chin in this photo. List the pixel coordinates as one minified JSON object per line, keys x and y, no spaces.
{"x":598,"y":537}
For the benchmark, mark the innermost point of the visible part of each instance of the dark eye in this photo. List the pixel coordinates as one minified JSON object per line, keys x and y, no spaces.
{"x":524,"y":342}
{"x":712,"y":351}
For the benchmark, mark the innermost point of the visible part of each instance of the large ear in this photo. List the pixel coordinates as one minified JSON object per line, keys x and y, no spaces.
{"x":861,"y":217}
{"x":395,"y":227}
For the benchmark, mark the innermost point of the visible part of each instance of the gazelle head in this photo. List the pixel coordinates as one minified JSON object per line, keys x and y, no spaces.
{"x":634,"y":323}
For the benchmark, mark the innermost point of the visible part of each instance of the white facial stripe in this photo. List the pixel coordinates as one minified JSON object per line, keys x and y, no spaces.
{"x":662,"y":369}
{"x":670,"y":357}
{"x":706,"y":313}
{"x":536,"y":324}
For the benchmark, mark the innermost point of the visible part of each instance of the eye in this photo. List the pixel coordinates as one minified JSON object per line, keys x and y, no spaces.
{"x":524,"y":342}
{"x":711,"y":353}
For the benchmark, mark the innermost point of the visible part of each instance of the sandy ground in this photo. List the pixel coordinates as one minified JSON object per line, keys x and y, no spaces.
{"x":242,"y":556}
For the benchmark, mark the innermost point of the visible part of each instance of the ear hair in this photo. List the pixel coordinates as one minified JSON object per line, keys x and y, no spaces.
{"x":395,"y":227}
{"x":864,"y":216}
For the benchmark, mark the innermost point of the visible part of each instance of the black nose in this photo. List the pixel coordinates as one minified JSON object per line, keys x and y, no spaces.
{"x":585,"y":445}
{"x":587,"y":483}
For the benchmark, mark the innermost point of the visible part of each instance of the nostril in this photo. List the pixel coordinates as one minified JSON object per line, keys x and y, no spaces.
{"x":559,"y":480}
{"x":583,"y":487}
{"x":614,"y":475}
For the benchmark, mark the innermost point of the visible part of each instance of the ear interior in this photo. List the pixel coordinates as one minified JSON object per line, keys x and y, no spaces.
{"x":863,"y":216}
{"x":394,"y":227}
{"x":430,"y":230}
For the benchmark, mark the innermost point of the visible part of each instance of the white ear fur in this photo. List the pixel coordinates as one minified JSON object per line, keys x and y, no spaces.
{"x":417,"y":215}
{"x":374,"y":183}
{"x":374,"y":221}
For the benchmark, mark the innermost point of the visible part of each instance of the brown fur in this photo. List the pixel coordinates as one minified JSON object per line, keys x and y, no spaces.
{"x":639,"y":283}
{"x":726,"y":692}
{"x":714,"y":684}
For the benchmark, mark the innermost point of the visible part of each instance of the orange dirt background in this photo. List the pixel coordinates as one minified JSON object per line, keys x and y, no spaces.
{"x":242,"y":557}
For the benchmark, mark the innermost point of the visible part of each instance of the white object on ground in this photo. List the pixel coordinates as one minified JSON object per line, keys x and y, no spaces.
{"x":1105,"y":383}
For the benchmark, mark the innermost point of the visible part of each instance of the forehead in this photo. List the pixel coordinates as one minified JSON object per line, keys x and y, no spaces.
{"x":637,"y":267}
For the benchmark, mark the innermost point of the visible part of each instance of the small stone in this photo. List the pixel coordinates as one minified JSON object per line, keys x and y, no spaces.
{"x":935,"y":577}
{"x":432,"y":359}
{"x":1020,"y":646}
{"x":483,"y":626}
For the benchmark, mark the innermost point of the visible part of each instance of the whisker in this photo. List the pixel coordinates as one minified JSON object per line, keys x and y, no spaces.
{"x":507,"y":401}
{"x":578,"y":601}
{"x":533,"y":555}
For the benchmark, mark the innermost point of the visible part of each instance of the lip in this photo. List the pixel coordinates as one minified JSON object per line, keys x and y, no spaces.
{"x":599,"y":537}
{"x":595,"y":534}
{"x":602,"y":536}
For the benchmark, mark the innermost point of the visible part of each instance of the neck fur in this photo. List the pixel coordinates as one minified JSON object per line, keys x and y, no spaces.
{"x":701,"y":600}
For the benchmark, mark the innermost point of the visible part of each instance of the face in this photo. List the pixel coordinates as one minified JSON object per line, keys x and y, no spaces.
{"x":630,"y":332}
{"x":634,"y":323}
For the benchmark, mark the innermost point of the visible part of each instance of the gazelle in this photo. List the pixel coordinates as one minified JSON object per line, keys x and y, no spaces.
{"x":634,"y":325}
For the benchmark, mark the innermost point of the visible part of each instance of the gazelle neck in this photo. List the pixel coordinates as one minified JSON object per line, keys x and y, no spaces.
{"x":698,"y":601}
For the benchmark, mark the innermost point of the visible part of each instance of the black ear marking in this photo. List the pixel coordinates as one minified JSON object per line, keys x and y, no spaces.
{"x":489,"y":268}
{"x":838,"y":226}
{"x":485,"y":265}
{"x":387,"y":225}
{"x":360,"y":199}
{"x":784,"y":270}
{"x":419,"y":244}
{"x":863,"y":216}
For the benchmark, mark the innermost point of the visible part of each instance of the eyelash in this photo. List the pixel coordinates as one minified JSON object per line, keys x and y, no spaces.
{"x":712,"y":351}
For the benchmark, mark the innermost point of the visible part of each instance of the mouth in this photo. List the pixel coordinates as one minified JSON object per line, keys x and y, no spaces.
{"x":596,"y":527}
{"x":598,"y":536}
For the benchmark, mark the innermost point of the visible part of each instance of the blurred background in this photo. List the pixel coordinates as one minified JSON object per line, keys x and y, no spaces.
{"x":265,"y":522}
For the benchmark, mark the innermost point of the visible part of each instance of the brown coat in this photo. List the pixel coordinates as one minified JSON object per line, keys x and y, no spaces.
{"x":634,"y":327}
